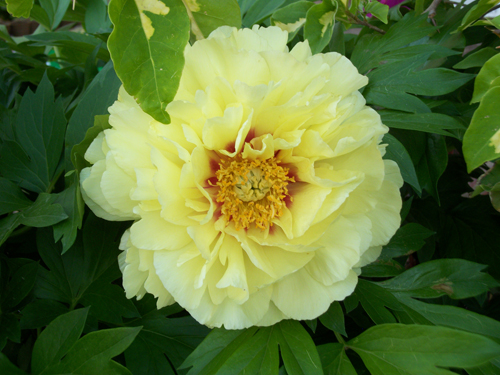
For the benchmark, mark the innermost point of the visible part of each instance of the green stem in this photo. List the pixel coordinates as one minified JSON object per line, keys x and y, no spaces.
{"x":339,"y":337}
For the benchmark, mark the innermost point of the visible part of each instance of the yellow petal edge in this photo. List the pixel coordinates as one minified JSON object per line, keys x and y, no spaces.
{"x":294,"y":131}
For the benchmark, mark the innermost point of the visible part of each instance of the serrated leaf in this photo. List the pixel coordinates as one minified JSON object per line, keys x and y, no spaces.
{"x":457,"y":278}
{"x":397,"y":152}
{"x":208,"y":15}
{"x":335,"y":360}
{"x":425,"y":122}
{"x":291,"y":17}
{"x":19,"y":8}
{"x":395,"y":349}
{"x":318,"y":29}
{"x":147,"y":46}
{"x":93,"y":352}
{"x":57,"y":339}
{"x":477,"y":146}
{"x":33,"y":159}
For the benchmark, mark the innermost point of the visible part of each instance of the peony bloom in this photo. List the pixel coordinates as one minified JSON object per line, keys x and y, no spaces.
{"x":263,"y":197}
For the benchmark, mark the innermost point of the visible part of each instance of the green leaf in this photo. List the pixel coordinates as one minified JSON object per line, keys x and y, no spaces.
{"x":450,"y":316}
{"x":256,"y":352}
{"x":55,"y":10}
{"x":335,"y":360}
{"x":43,"y":213}
{"x":101,"y":123}
{"x":208,"y":15}
{"x":71,"y":201}
{"x":11,"y":197}
{"x":488,"y":77}
{"x":476,"y":59}
{"x":298,"y":351}
{"x":291,"y":17}
{"x":9,"y":329}
{"x":93,"y":352}
{"x":433,"y":162}
{"x":407,"y":240}
{"x":19,"y":8}
{"x":476,"y":12}
{"x":333,"y":318}
{"x":108,"y":302}
{"x":73,"y":46}
{"x":491,"y":368}
{"x":374,"y":300}
{"x":425,"y":122}
{"x":19,"y":286}
{"x":147,"y":46}
{"x":378,"y":10}
{"x":397,"y":152}
{"x":402,"y":76}
{"x":6,"y":367}
{"x":258,"y":10}
{"x":57,"y":339}
{"x":371,"y":49}
{"x":458,"y":278}
{"x":33,"y":159}
{"x":96,"y":17}
{"x":477,"y":146}
{"x":215,"y":350}
{"x":318,"y":29}
{"x":162,"y":338}
{"x":395,"y":349}
{"x":92,"y":258}
{"x":40,"y":313}
{"x":100,"y":94}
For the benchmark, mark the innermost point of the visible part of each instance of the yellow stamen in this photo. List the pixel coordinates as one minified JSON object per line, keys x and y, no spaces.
{"x":252,"y":191}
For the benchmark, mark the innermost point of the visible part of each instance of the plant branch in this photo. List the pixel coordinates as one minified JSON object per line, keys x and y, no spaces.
{"x":353,"y":19}
{"x":432,"y":8}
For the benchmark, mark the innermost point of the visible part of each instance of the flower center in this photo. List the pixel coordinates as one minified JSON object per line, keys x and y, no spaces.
{"x":252,"y":191}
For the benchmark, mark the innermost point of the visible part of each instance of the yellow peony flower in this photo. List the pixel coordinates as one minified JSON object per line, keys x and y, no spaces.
{"x":263,"y":197}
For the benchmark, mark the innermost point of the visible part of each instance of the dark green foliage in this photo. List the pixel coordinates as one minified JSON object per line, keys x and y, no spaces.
{"x":430,"y":304}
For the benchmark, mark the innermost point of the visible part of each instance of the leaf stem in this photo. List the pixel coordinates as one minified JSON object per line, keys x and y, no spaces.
{"x":353,"y":19}
{"x":339,"y":337}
